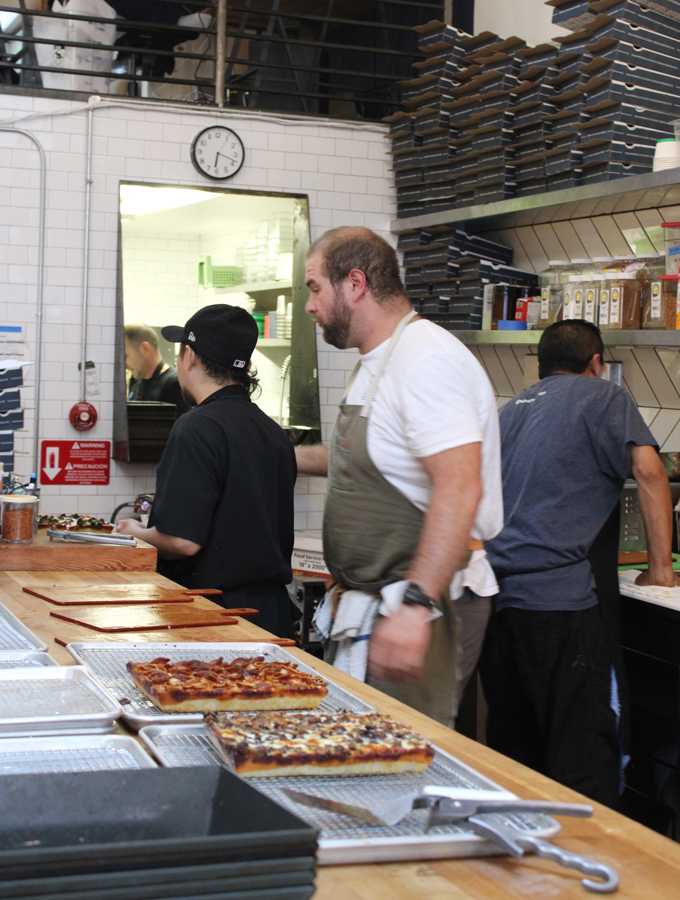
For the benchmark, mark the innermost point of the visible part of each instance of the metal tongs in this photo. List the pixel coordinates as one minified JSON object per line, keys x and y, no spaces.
{"x":455,"y":805}
{"x":120,"y":540}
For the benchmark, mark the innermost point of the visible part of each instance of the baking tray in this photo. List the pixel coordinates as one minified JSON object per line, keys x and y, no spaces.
{"x":107,"y":662}
{"x":54,"y":699}
{"x":345,"y":840}
{"x":14,"y":635}
{"x":31,"y":659}
{"x":72,"y":753}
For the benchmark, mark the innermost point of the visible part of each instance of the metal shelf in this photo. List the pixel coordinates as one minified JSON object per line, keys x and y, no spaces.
{"x":609,"y":338}
{"x":604,"y":198}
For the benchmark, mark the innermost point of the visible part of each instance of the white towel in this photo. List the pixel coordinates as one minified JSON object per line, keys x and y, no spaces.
{"x":352,"y":631}
{"x":322,"y":619}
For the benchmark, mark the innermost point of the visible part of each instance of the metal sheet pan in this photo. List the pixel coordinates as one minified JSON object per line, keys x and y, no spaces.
{"x":345,"y":840}
{"x":14,"y":635}
{"x":72,"y":753}
{"x":54,"y":699}
{"x":32,"y":659}
{"x":107,"y":661}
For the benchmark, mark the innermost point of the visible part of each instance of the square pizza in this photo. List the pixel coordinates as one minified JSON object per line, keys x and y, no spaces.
{"x":246,"y":683}
{"x":316,"y":743}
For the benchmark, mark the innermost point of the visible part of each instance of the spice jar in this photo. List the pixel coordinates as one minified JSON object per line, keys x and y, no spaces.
{"x":504,"y":300}
{"x":624,"y":301}
{"x":665,"y":310}
{"x":17,"y":518}
{"x":551,"y":282}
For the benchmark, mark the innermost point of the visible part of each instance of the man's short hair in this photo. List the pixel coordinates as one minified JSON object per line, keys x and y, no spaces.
{"x":137,"y":332}
{"x":568,"y":346}
{"x":350,"y":247}
{"x":224,"y":375}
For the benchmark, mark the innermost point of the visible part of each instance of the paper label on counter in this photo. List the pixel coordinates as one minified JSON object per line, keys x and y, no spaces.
{"x":578,"y":304}
{"x":615,"y":307}
{"x":604,"y":307}
{"x":308,"y":562}
{"x":545,"y":303}
{"x":655,"y":310}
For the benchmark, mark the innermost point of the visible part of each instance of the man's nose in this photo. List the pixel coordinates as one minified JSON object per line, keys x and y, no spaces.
{"x":309,"y":305}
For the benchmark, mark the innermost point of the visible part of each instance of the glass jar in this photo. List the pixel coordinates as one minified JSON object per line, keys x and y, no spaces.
{"x":605,"y":302}
{"x":672,"y":240}
{"x":504,"y":302}
{"x":551,"y":283}
{"x":668,"y":312}
{"x":17,"y":518}
{"x":591,"y":298}
{"x":577,"y":298}
{"x":651,"y":267}
{"x":624,"y":303}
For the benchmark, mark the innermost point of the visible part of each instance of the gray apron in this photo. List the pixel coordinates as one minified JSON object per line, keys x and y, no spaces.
{"x":370,"y":536}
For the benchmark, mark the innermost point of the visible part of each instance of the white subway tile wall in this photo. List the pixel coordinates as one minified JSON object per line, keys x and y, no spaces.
{"x":342,"y":167}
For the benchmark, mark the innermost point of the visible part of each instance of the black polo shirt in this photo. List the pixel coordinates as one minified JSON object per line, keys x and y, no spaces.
{"x":226,"y":481}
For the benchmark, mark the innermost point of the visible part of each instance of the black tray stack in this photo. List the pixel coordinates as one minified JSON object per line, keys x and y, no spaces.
{"x":150,"y":834}
{"x":487,"y":118}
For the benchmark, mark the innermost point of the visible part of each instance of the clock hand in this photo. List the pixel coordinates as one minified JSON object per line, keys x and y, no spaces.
{"x":216,"y":158}
{"x":232,"y":158}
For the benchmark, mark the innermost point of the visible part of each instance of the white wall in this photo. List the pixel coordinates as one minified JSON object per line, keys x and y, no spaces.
{"x":530,"y":20}
{"x":342,"y":167}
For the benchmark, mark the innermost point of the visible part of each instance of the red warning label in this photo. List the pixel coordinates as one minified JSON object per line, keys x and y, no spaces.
{"x":75,"y":462}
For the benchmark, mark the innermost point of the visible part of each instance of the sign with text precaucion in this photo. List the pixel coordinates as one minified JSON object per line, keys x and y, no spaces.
{"x":75,"y":462}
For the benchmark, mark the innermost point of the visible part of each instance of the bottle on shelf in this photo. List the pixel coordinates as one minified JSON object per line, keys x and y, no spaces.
{"x":551,"y":283}
{"x":624,"y":304}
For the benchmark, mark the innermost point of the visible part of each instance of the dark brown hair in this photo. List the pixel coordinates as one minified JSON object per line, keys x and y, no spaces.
{"x":568,"y":346}
{"x":224,"y":375}
{"x":350,"y":247}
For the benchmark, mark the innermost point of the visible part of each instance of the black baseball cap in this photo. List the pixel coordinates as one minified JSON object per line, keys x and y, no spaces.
{"x":222,"y":334}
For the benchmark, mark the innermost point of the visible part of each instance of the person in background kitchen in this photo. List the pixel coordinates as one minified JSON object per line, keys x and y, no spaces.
{"x":414,"y":480}
{"x":152,"y":379}
{"x":551,"y":663}
{"x":223,"y":512}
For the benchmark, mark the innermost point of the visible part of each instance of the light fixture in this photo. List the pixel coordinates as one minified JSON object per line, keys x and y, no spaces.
{"x":137,"y":199}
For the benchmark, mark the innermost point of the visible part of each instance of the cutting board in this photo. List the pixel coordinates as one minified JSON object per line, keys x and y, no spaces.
{"x":144,"y":618}
{"x":106,"y":594}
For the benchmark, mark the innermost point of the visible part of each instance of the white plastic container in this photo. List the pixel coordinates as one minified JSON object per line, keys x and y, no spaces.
{"x":671,"y":232}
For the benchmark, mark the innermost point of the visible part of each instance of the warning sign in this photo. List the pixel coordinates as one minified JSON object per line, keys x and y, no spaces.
{"x":75,"y":462}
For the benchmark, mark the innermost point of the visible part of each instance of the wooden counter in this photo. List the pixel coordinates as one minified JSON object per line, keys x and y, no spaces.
{"x":649,"y":865}
{"x":44,"y":554}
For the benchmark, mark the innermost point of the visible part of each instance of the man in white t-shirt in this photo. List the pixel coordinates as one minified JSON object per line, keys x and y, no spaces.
{"x":414,"y":474}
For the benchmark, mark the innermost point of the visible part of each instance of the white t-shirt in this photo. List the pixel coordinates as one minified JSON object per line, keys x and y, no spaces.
{"x":434,"y":396}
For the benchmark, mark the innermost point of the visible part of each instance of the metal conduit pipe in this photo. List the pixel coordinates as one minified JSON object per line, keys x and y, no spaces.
{"x":221,"y":51}
{"x":86,"y":257}
{"x":39,"y":307}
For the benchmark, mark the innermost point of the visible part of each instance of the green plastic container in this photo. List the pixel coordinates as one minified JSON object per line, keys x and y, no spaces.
{"x":259,"y":318}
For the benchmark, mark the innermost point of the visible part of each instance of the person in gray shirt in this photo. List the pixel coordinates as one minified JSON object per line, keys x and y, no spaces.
{"x":551,"y":667}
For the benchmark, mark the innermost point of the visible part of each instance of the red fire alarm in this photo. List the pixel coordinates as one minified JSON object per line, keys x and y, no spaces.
{"x":83,"y":416}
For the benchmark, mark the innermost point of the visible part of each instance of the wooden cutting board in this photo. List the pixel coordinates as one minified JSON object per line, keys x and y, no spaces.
{"x":144,"y":618}
{"x":109,"y":594}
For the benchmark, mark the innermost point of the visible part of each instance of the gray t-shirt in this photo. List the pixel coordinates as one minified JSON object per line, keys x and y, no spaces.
{"x":566,"y":452}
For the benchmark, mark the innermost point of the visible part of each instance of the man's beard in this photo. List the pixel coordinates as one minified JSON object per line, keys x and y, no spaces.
{"x":336,"y":330}
{"x":188,"y":398}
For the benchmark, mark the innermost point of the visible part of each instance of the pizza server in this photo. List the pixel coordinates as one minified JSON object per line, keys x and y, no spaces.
{"x":457,"y":805}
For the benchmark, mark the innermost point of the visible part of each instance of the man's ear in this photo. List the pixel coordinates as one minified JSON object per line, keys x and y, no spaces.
{"x":357,"y":282}
{"x":596,"y":366}
{"x":189,"y":358}
{"x":145,"y":347}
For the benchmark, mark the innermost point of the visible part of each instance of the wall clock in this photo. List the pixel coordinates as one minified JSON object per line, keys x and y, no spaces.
{"x":217,"y":153}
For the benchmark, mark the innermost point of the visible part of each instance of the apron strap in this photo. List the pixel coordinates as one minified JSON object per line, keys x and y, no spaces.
{"x":383,"y":362}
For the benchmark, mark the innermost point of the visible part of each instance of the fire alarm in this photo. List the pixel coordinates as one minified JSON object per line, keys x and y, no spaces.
{"x":83,"y":416}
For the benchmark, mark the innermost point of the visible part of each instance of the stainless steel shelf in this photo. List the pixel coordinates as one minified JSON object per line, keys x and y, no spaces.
{"x":604,"y":198}
{"x":609,"y":338}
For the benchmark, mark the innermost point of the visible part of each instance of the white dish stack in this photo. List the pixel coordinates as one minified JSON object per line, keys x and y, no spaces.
{"x":666,"y":155}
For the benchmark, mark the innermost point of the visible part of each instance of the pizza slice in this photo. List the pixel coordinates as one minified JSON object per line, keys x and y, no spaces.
{"x":316,"y":743}
{"x":246,"y":683}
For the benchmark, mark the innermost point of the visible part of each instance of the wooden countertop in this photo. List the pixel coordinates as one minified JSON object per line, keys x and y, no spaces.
{"x":648,"y":864}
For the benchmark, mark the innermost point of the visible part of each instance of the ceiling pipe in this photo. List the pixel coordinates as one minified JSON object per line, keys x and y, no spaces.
{"x":86,"y":258}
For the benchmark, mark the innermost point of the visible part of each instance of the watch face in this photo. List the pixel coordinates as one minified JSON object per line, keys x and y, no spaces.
{"x":217,"y":152}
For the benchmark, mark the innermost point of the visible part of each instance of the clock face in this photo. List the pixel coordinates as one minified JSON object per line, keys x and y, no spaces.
{"x":217,"y":152}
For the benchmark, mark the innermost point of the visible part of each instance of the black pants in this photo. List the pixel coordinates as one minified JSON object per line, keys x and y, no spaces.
{"x":547,"y":679}
{"x":272,"y":602}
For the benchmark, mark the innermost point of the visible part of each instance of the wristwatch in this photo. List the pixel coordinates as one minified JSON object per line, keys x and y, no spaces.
{"x":416,"y":596}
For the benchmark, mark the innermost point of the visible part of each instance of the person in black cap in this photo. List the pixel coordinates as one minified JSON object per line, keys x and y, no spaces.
{"x":223,"y":512}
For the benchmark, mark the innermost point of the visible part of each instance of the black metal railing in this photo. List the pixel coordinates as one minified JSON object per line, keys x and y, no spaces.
{"x":339,"y":58}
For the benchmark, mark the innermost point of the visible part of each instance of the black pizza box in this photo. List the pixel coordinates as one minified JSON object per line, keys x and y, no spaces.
{"x":409,"y":241}
{"x":467,"y":181}
{"x":603,"y":129}
{"x":600,"y":91}
{"x":434,"y":140}
{"x":411,"y":159}
{"x":530,"y":187}
{"x":629,"y":73}
{"x":434,"y":272}
{"x":527,"y":152}
{"x":494,"y":193}
{"x":496,"y":157}
{"x":571,"y":14}
{"x":615,"y":151}
{"x":562,"y":160}
{"x":631,"y":115}
{"x":562,"y":139}
{"x":664,"y":12}
{"x":408,"y":177}
{"x":565,"y":180}
{"x":643,"y":57}
{"x":531,"y":134}
{"x":503,"y":174}
{"x":435,"y":36}
{"x":647,"y":36}
{"x":530,"y":170}
{"x":439,"y":193}
{"x":403,"y":125}
{"x":404,"y":143}
{"x":611,"y":170}
{"x":533,"y":114}
{"x":437,"y":174}
{"x":465,"y":199}
{"x":434,"y":305}
{"x":481,"y":245}
{"x":430,"y":120}
{"x":569,"y":61}
{"x":570,"y":99}
{"x":487,"y":140}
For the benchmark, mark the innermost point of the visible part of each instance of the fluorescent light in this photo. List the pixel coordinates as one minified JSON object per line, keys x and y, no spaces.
{"x":6,"y":19}
{"x":137,"y":199}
